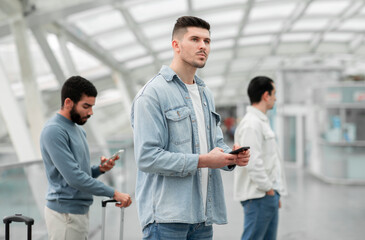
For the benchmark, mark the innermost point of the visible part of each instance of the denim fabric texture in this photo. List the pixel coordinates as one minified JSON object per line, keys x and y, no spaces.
{"x":166,"y":147}
{"x":261,"y":216}
{"x":177,"y":231}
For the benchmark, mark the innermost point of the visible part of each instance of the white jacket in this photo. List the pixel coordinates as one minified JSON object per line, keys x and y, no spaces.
{"x":265,"y":168}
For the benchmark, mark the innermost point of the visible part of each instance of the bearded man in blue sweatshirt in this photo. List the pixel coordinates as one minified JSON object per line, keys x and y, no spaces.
{"x":65,"y":152}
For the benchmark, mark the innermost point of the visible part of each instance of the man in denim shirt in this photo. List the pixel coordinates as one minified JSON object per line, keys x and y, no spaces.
{"x":179,"y":145}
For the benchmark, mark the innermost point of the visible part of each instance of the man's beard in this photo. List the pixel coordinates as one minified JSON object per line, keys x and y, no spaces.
{"x":76,"y":118}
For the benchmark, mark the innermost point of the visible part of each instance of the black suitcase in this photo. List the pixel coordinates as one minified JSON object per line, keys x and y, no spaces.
{"x":18,"y":218}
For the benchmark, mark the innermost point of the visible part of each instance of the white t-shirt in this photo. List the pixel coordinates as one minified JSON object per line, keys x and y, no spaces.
{"x":197,"y":103}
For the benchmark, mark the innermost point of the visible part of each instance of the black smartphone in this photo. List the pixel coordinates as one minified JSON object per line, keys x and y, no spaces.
{"x":237,"y":151}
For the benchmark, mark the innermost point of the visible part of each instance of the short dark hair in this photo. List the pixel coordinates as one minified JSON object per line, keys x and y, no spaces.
{"x":258,"y":86}
{"x":189,"y":21}
{"x":75,"y":87}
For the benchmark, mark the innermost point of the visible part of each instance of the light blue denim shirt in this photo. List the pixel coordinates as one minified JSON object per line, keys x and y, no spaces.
{"x":166,"y":147}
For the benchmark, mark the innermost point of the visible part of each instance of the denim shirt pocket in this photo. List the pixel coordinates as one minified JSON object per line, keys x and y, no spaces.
{"x":180,"y":129}
{"x":216,"y":121}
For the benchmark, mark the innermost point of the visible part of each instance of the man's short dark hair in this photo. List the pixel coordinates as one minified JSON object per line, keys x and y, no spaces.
{"x":258,"y":86}
{"x":75,"y":87}
{"x":189,"y":21}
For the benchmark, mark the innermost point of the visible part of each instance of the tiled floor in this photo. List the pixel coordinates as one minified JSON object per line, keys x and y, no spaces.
{"x":313,"y":210}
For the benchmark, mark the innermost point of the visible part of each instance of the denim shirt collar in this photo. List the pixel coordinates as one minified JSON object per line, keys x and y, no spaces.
{"x":169,"y":75}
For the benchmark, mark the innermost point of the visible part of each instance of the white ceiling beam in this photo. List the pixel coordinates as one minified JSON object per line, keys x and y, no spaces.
{"x":297,"y":14}
{"x":247,"y":10}
{"x":140,"y":36}
{"x":352,"y":9}
{"x":84,"y":42}
{"x":70,"y":64}
{"x":40,"y":36}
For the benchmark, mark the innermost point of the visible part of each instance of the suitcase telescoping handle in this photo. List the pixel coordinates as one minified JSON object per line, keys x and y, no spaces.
{"x":18,"y":218}
{"x":103,"y":205}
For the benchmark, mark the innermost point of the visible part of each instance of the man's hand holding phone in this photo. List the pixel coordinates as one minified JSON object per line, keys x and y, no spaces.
{"x":108,"y":163}
{"x":243,"y":154}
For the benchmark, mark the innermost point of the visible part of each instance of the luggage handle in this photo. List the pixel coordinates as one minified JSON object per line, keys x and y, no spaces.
{"x":103,"y":205}
{"x":18,"y":218}
{"x":106,"y":201}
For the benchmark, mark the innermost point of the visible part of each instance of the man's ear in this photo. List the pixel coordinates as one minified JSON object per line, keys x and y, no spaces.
{"x":176,"y":45}
{"x":265,"y":96}
{"x":68,"y":103}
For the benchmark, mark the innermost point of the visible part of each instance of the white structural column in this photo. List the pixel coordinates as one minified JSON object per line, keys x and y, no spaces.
{"x":279,"y":123}
{"x":22,"y":141}
{"x":32,"y":96}
{"x":299,"y":140}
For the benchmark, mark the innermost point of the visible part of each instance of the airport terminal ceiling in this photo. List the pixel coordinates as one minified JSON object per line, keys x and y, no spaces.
{"x":119,"y":45}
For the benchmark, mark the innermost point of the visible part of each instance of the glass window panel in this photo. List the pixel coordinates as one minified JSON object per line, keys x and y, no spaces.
{"x":152,"y":10}
{"x":203,"y":4}
{"x":101,"y":22}
{"x":310,"y":24}
{"x":326,"y":7}
{"x":115,"y":39}
{"x":338,"y":37}
{"x":223,"y":17}
{"x":84,"y":60}
{"x":271,"y":11}
{"x":255,"y":40}
{"x":356,"y":24}
{"x":84,"y":15}
{"x":271,"y":63}
{"x":158,"y":29}
{"x":264,"y":27}
{"x":166,"y":55}
{"x":223,"y":32}
{"x":139,"y":62}
{"x":222,"y":44}
{"x":161,"y":44}
{"x":296,"y":37}
{"x":220,"y":55}
{"x":129,"y":52}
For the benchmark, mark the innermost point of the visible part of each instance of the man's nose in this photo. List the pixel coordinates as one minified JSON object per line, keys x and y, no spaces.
{"x":202,"y":45}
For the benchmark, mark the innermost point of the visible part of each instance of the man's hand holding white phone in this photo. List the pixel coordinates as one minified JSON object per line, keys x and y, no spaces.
{"x":108,"y":163}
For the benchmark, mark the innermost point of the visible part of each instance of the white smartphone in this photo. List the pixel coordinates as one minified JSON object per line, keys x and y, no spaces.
{"x":116,"y":154}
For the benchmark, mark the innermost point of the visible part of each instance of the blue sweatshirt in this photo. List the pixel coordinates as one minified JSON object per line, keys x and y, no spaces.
{"x":66,"y":158}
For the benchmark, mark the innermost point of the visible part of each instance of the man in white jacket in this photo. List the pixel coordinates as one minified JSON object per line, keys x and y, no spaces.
{"x":259,"y":185}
